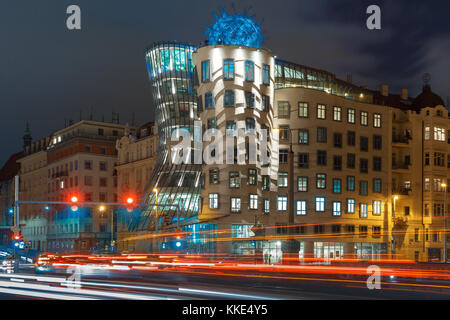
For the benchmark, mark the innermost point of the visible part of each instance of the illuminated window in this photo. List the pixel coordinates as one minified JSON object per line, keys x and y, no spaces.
{"x":337,"y":185}
{"x":302,"y":184}
{"x":252,"y":177}
{"x":321,"y":181}
{"x":363,"y":210}
{"x":228,"y":69}
{"x":337,"y":211}
{"x":377,"y":208}
{"x":350,"y":205}
{"x":301,"y":207}
{"x":284,"y":133}
{"x":377,"y":185}
{"x":214,"y":176}
{"x":249,"y":71}
{"x":235,"y":205}
{"x":283,"y":179}
{"x":427,"y":133}
{"x":364,"y":118}
{"x":321,"y":111}
{"x":439,"y":134}
{"x":303,"y":136}
{"x":377,"y":120}
{"x":320,"y":204}
{"x":282,"y":203}
{"x":337,"y":113}
{"x":303,"y":109}
{"x":351,"y":115}
{"x":253,"y":201}
{"x":266,"y":208}
{"x":213,"y":200}
{"x":235,"y":180}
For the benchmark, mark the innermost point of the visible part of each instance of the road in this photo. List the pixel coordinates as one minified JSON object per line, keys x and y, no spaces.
{"x":194,"y":284}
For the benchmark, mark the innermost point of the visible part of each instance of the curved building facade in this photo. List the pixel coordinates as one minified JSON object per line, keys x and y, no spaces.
{"x":175,"y":188}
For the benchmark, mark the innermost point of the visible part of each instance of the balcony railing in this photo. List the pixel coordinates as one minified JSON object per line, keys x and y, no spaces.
{"x":401,"y":138}
{"x":401,"y":165}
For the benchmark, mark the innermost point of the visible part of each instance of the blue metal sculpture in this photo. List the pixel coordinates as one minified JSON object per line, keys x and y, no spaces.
{"x":235,"y":29}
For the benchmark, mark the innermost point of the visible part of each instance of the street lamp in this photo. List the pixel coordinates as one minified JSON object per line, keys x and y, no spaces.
{"x":444,"y":185}
{"x":393,"y":216}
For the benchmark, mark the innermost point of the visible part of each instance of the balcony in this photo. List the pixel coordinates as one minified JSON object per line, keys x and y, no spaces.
{"x":401,"y":139}
{"x":60,"y":174}
{"x":401,"y":166}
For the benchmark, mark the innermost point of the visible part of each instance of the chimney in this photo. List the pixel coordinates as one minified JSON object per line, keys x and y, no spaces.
{"x":384,"y":90}
{"x":404,"y":94}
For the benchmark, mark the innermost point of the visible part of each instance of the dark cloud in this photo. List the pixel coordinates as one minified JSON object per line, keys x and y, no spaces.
{"x":48,"y":74}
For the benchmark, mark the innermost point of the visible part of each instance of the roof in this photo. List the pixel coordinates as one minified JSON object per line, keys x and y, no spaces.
{"x":11,"y":167}
{"x":427,"y":99}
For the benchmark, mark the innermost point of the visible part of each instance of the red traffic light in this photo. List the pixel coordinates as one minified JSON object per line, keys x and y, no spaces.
{"x":74,"y":199}
{"x":130,"y":200}
{"x":17,"y":236}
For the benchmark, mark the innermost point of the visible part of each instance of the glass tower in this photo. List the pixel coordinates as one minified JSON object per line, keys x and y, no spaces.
{"x":174,"y":189}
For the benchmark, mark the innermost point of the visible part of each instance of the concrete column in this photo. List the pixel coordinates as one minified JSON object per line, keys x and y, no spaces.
{"x":309,"y":249}
{"x":349,"y":250}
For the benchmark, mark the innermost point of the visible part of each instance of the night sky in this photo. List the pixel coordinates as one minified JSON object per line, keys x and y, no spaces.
{"x":48,"y":73}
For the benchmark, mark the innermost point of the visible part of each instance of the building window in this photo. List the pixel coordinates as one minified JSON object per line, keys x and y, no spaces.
{"x":351,"y":115}
{"x":88,"y":181}
{"x":283,"y":109}
{"x":364,"y":165}
{"x":103,"y":182}
{"x":229,"y":98}
{"x":266,"y":74}
{"x":321,"y":158}
{"x":252,"y":176}
{"x":322,"y":134}
{"x":376,"y":164}
{"x":427,"y":133}
{"x":439,"y":159}
{"x":350,"y":205}
{"x":301,"y":207}
{"x":284,"y":133}
{"x":265,"y":103}
{"x":321,"y":111}
{"x":213,"y":200}
{"x":364,"y":143}
{"x":211,"y":123}
{"x":351,"y":138}
{"x":377,"y":185}
{"x":320,"y":204}
{"x":101,"y":131}
{"x":303,"y":160}
{"x":214,"y":176}
{"x":364,"y":118}
{"x":250,"y":100}
{"x":337,"y":140}
{"x":337,"y":185}
{"x":266,"y":208}
{"x":427,"y":158}
{"x":337,"y":163}
{"x":350,"y":183}
{"x":209,"y":102}
{"x":363,"y":188}
{"x":235,"y":180}
{"x":351,"y":160}
{"x":303,"y":109}
{"x":283,"y":156}
{"x":102,"y":166}
{"x":302,"y":184}
{"x":205,"y":71}
{"x":249,"y":124}
{"x":303,"y":136}
{"x":282,"y":203}
{"x":377,"y":142}
{"x":337,"y":211}
{"x":235,"y":205}
{"x":363,"y":210}
{"x":377,"y":120}
{"x":253,"y":201}
{"x":377,"y":208}
{"x":283,"y":180}
{"x":439,"y":134}
{"x":88,"y":164}
{"x":249,"y":71}
{"x":266,"y":183}
{"x":228,"y":69}
{"x":337,"y":113}
{"x":321,"y":181}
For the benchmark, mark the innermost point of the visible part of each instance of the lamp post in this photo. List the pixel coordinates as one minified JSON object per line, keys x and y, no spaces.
{"x":393,"y":218}
{"x":444,"y":255}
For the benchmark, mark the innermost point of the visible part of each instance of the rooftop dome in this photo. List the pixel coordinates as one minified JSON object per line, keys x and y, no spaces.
{"x":427,"y":99}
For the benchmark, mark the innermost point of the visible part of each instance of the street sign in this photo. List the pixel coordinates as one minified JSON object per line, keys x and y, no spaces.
{"x":15,"y":229}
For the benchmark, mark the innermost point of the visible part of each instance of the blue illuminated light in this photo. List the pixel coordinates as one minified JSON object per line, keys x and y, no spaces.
{"x":235,"y":29}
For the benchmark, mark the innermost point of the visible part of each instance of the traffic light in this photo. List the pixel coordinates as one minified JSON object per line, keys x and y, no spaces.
{"x":11,"y":211}
{"x":17,"y":241}
{"x":74,"y":199}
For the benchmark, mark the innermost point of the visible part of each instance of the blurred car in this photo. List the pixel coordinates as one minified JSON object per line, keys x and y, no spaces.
{"x":44,"y":263}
